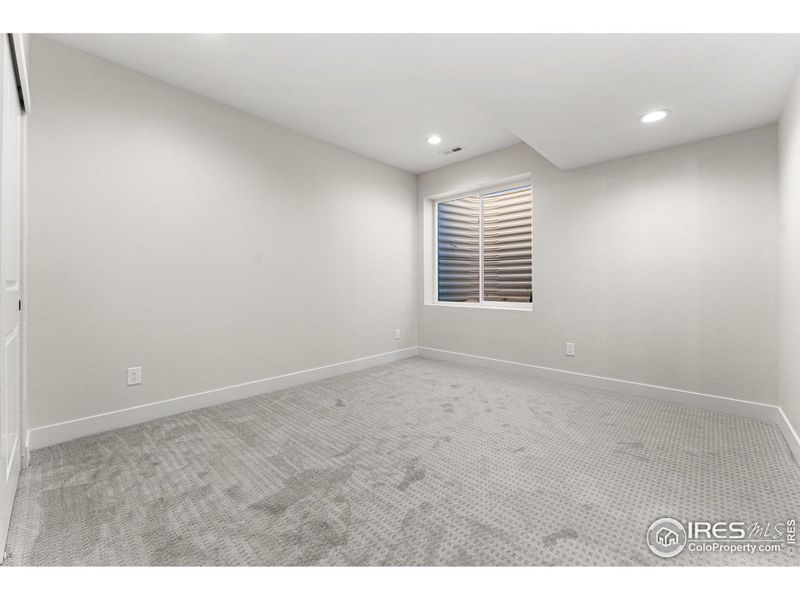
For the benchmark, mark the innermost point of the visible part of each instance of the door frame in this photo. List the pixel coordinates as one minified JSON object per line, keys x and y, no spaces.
{"x":18,"y":43}
{"x":17,"y":57}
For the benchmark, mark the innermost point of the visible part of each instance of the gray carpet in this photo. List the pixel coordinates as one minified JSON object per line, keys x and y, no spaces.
{"x":414,"y":463}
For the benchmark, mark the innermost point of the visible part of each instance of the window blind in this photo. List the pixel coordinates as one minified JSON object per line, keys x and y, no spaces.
{"x":458,"y":240}
{"x":507,"y":246}
{"x":486,"y":236}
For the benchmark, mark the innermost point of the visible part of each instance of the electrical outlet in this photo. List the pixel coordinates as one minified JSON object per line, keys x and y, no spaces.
{"x":397,"y":334}
{"x":134,"y":375}
{"x":570,"y":349}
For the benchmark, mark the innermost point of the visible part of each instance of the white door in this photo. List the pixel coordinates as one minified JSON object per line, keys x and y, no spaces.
{"x":11,"y":178}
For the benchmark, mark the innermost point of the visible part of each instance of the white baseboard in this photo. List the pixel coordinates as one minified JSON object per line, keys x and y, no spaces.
{"x":49,"y":435}
{"x":742,"y":408}
{"x":789,"y":433}
{"x":41,"y":437}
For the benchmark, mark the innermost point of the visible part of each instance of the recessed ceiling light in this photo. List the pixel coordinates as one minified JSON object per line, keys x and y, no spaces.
{"x":654,"y":116}
{"x":434,"y":139}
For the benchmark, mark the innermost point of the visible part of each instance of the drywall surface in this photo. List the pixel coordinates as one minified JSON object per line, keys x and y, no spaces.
{"x":661,"y":268}
{"x":205,"y":245}
{"x":789,"y":152}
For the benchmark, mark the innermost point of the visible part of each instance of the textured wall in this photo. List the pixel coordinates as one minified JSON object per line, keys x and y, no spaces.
{"x":208,"y":246}
{"x":789,"y":137}
{"x":662,"y":268}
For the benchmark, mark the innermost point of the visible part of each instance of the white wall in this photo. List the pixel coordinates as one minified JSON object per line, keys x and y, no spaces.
{"x":206,"y":245}
{"x":213,"y":248}
{"x":662,"y":268}
{"x":789,"y":150}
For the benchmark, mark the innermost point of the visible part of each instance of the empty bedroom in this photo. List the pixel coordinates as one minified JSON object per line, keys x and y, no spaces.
{"x":400,"y":299}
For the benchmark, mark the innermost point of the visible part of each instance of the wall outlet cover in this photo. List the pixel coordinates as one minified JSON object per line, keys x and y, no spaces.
{"x":134,"y":375}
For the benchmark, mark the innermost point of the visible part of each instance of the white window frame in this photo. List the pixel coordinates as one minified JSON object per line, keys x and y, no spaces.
{"x":495,"y":187}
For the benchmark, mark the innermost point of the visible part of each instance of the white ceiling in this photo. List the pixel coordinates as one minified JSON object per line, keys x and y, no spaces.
{"x":574,"y":98}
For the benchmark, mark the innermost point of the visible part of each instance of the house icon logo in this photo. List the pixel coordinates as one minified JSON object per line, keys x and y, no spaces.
{"x":666,"y":537}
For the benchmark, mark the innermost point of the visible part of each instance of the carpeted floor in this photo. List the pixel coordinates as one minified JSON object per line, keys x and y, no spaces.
{"x":414,"y":463}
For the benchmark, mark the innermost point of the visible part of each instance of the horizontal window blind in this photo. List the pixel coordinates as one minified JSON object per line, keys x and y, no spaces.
{"x":458,"y":240}
{"x":507,"y":246}
{"x":485,"y":247}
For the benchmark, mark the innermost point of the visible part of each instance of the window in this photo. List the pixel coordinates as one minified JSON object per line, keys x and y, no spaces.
{"x":484,"y":247}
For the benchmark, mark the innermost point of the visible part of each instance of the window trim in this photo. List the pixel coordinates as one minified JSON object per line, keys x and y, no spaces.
{"x":505,"y":184}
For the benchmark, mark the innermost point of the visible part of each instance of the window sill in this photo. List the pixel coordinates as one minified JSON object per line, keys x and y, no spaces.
{"x":516,"y":307}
